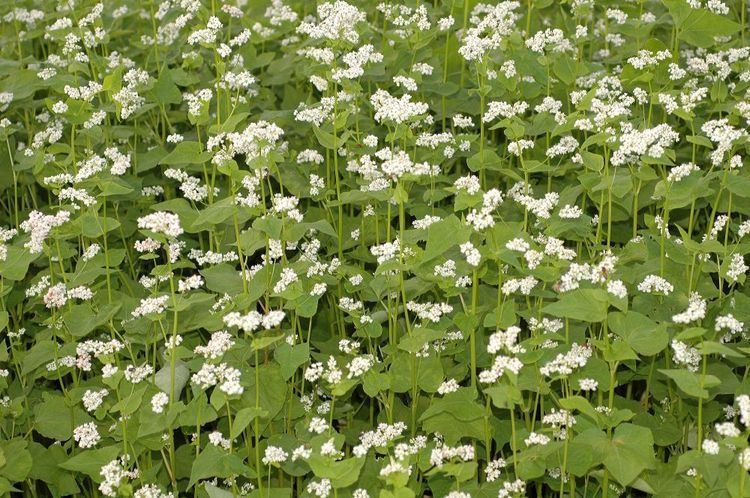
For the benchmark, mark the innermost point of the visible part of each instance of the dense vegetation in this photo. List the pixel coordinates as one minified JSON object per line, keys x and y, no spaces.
{"x":387,"y":250}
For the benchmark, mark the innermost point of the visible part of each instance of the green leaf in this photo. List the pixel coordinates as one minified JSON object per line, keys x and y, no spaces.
{"x":487,"y":160}
{"x":291,"y":357}
{"x":113,"y":187}
{"x":41,"y":353}
{"x":699,"y":26}
{"x":592,"y":161}
{"x":272,"y":390}
{"x":626,"y":455}
{"x":18,"y":461}
{"x":269,"y":225}
{"x":214,"y":492}
{"x":581,"y":404}
{"x":53,"y":418}
{"x":216,"y":213}
{"x":443,"y":235}
{"x":16,"y":263}
{"x":690,"y":382}
{"x":22,"y":84}
{"x":588,"y":305}
{"x":455,"y":416}
{"x":223,"y":279}
{"x":419,"y":337}
{"x":81,"y":319}
{"x":129,"y":403}
{"x":631,"y":452}
{"x":90,"y":462}
{"x":342,"y":473}
{"x":504,"y":396}
{"x":713,"y":347}
{"x":243,"y":418}
{"x":215,"y":462}
{"x":328,"y":140}
{"x":739,"y":186}
{"x":165,"y":91}
{"x":645,"y":336}
{"x":186,"y":153}
{"x":564,"y":68}
{"x":93,"y":226}
{"x":46,"y":467}
{"x":163,"y":378}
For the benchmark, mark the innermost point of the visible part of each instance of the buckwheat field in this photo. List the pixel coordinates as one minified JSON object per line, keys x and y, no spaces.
{"x":350,"y":249}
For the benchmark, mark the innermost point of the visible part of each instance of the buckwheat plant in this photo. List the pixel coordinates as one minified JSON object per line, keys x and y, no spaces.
{"x":363,"y":249}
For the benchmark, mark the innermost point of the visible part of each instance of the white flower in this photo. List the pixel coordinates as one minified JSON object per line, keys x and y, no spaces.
{"x":569,"y":212}
{"x":378,"y":438}
{"x":301,"y":452}
{"x":617,"y":288}
{"x":514,"y":488}
{"x":685,"y":355}
{"x":677,"y":173}
{"x":517,"y":147}
{"x":318,"y":425}
{"x":59,"y":107}
{"x":651,"y":142}
{"x":564,"y":364}
{"x":288,"y":277}
{"x":86,"y":435}
{"x":328,"y":449}
{"x":337,"y":21}
{"x":274,"y":455}
{"x":495,"y":469}
{"x":159,"y":401}
{"x":730,"y":323}
{"x":727,"y":429}
{"x":431,"y":312}
{"x":443,"y":453}
{"x":566,"y":145}
{"x":359,"y":365}
{"x":489,"y":26}
{"x":397,"y":110}
{"x":523,"y":285}
{"x":109,"y":370}
{"x":473,"y":257}
{"x":407,"y":83}
{"x":219,"y":344}
{"x":710,"y":447}
{"x":161,"y":222}
{"x":535,"y":438}
{"x":445,"y":23}
{"x":744,"y":459}
{"x":743,"y":403}
{"x":500,"y":366}
{"x":655,"y":283}
{"x":723,"y":135}
{"x":425,"y":222}
{"x":39,"y":226}
{"x":449,"y":386}
{"x":136,"y":375}
{"x":93,"y":399}
{"x":113,"y":474}
{"x":314,"y":371}
{"x":217,"y":439}
{"x":696,"y":310}
{"x":737,"y":267}
{"x":150,"y":305}
{"x":549,"y":39}
{"x":321,"y":488}
{"x":588,"y":384}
